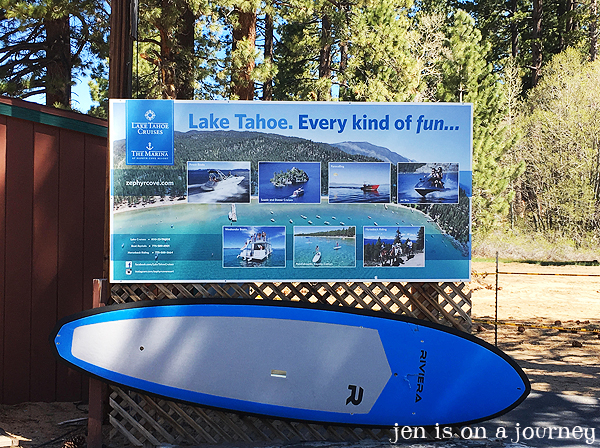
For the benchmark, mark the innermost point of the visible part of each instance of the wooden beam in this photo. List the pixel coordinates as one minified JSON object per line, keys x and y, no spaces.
{"x":98,"y":389}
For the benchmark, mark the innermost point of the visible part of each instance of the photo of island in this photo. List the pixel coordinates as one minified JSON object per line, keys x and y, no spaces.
{"x":394,"y":246}
{"x":428,"y":183}
{"x":359,"y":182}
{"x":289,"y":182}
{"x":324,"y":246}
{"x":253,"y":246}
{"x":218,"y":182}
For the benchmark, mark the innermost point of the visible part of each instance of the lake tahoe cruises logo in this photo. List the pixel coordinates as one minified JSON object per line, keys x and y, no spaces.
{"x":149,"y":138}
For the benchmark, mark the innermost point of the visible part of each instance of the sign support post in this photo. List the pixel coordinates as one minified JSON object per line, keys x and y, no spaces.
{"x":97,"y":389}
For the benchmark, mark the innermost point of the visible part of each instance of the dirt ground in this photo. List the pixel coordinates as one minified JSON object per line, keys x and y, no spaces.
{"x":555,"y":359}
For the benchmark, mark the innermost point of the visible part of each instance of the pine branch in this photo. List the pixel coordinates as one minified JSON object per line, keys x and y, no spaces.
{"x":35,"y":33}
{"x":31,"y":48}
{"x":36,"y":66}
{"x":32,"y":93}
{"x":150,"y":41}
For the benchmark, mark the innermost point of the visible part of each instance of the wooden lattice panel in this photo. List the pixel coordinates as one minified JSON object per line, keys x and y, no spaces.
{"x":145,"y":420}
{"x":446,"y":303}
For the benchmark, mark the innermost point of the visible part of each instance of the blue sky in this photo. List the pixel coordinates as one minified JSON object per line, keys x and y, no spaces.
{"x":80,"y":96}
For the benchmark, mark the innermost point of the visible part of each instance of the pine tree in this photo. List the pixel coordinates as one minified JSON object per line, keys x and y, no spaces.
{"x":308,"y":50}
{"x":381,"y":69}
{"x":467,"y":77}
{"x":331,"y":44}
{"x":36,"y":51}
{"x":164,"y":28}
{"x":174,"y":55}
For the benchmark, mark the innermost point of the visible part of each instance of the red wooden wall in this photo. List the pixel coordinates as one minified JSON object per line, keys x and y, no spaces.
{"x":52,"y":193}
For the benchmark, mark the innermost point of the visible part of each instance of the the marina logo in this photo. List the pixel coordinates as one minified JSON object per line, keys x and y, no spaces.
{"x":149,"y":139}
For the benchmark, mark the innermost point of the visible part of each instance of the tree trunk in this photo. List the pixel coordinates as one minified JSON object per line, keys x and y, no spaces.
{"x":325,"y":55}
{"x":593,"y":30}
{"x":268,"y":56}
{"x":514,"y":29}
{"x":167,"y":56}
{"x":184,"y":59}
{"x":243,"y":84}
{"x":121,"y":50}
{"x":561,"y":11}
{"x":58,"y":53}
{"x":536,"y":42}
{"x":571,"y":24}
{"x":344,"y":50}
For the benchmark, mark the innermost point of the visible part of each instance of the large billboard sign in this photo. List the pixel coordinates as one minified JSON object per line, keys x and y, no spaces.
{"x":234,"y":191}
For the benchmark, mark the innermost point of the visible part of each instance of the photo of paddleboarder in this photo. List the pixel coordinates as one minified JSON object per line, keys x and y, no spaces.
{"x":324,"y":246}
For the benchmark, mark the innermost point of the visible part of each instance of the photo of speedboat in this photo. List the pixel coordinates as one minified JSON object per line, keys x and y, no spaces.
{"x":217,"y":179}
{"x":369,"y":187}
{"x":218,"y":182}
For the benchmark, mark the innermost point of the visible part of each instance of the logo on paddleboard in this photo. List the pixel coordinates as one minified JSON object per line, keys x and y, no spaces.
{"x":356,"y":395}
{"x":421,"y":376}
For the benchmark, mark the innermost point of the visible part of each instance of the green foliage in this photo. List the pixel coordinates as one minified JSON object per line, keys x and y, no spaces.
{"x":505,"y":23}
{"x":99,"y":94}
{"x":167,"y":62}
{"x":466,"y":76}
{"x":293,"y":175}
{"x":362,"y":68}
{"x":561,"y":148}
{"x":381,"y":69}
{"x":348,"y":232}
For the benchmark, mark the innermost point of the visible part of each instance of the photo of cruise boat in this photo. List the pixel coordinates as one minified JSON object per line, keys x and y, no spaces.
{"x":257,"y":248}
{"x":253,"y":246}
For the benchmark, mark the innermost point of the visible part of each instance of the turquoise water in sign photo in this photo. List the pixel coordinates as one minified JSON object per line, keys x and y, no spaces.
{"x":334,"y":251}
{"x":309,"y":165}
{"x":181,"y":253}
{"x":232,"y":259}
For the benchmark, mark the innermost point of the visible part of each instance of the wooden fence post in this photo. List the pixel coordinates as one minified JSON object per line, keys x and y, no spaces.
{"x":97,"y":389}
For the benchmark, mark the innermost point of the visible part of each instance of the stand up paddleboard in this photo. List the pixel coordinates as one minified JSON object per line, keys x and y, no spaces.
{"x":284,"y":360}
